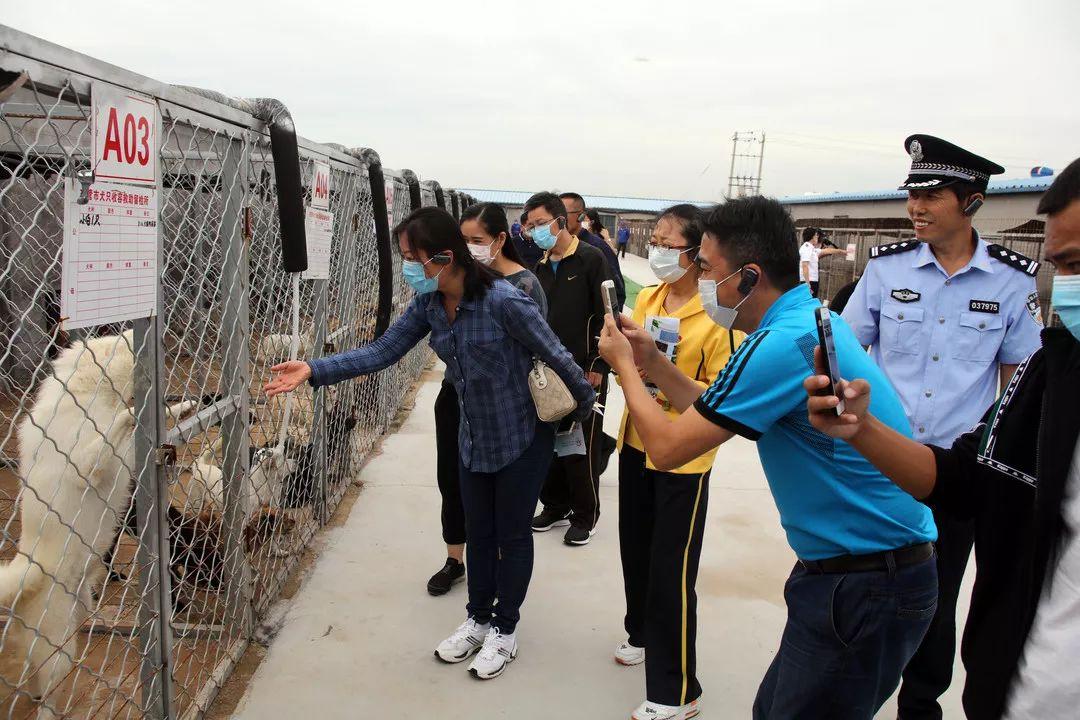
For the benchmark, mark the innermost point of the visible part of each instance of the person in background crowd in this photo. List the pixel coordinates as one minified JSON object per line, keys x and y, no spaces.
{"x":662,"y":514}
{"x":622,"y":237}
{"x":865,"y":587}
{"x":526,"y":248}
{"x":949,"y":317}
{"x":570,"y":274}
{"x":595,"y":225}
{"x":809,"y":254}
{"x":1017,"y":474}
{"x":575,"y":217}
{"x":488,"y":239}
{"x":487,"y":332}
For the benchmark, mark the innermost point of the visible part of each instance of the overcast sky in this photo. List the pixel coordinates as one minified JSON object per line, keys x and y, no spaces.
{"x":637,"y":97}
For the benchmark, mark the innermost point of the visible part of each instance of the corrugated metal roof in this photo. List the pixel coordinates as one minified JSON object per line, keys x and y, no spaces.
{"x":996,"y":187}
{"x":599,"y":202}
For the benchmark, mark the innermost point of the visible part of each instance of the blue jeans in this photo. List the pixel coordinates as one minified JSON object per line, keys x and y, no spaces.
{"x":499,"y":509}
{"x":847,"y":639}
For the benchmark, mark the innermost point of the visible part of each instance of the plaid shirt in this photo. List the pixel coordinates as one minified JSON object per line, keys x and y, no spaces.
{"x":488,"y":353}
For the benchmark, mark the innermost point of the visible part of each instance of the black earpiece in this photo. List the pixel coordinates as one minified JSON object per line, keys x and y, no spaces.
{"x":442,"y":258}
{"x":973,"y":206}
{"x":748,"y":281}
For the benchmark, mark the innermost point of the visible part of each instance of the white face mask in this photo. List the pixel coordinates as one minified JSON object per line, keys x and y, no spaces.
{"x":483,"y":253}
{"x":664,"y":262}
{"x":720,"y":314}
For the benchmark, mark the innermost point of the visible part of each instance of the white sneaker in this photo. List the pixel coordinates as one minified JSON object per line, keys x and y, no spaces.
{"x":465,"y":641}
{"x":627,"y":654}
{"x":499,"y":651}
{"x":655,"y":711}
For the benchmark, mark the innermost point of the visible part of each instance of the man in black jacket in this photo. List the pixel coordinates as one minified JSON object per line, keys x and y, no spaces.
{"x":575,"y":215}
{"x":570,"y":274}
{"x":1017,"y":475}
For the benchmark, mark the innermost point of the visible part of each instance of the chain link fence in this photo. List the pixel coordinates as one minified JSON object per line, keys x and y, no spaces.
{"x":153,"y":502}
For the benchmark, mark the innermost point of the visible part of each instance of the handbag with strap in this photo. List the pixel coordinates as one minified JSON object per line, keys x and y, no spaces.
{"x":549,"y":393}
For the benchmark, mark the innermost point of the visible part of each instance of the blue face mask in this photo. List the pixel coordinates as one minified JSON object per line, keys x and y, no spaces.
{"x":1065,"y":298}
{"x":413,"y":272}
{"x":541,"y":235}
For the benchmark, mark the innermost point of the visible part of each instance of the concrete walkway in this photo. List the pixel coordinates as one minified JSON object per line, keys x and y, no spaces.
{"x":359,"y":637}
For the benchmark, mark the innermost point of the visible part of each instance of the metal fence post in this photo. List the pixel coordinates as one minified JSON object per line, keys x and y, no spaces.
{"x":318,"y":436}
{"x":151,"y":500}
{"x":236,"y":381}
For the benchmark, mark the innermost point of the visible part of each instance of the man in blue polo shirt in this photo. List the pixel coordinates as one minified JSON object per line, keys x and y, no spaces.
{"x":865,"y":588}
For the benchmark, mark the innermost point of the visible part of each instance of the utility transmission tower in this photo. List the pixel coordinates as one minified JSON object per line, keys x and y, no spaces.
{"x":747,"y":154}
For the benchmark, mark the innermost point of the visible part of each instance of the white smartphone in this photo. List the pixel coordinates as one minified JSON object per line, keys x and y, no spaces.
{"x":611,"y":301}
{"x":828,"y":349}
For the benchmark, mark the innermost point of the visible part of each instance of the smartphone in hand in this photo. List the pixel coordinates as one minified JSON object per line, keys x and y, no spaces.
{"x":611,"y":302}
{"x":828,"y":353}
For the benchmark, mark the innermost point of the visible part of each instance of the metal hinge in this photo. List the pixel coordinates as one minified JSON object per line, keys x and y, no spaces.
{"x":165,"y":454}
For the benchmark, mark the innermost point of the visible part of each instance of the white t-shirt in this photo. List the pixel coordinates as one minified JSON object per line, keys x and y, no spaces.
{"x":809,"y":254}
{"x":1048,"y":685}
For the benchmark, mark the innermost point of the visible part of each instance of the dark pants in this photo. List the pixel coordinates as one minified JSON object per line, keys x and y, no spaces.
{"x":814,"y":285}
{"x":447,"y":462}
{"x":929,"y":673}
{"x":622,"y":250}
{"x":661,"y":527}
{"x":847,"y":639}
{"x":573,"y":482}
{"x":499,"y":509}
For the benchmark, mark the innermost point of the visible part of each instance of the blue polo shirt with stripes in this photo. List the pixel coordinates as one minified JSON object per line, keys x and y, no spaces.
{"x":832,"y":501}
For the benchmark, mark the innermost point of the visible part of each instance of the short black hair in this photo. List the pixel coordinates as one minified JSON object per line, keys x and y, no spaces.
{"x":1063,"y":192}
{"x":964,"y":190}
{"x":690,"y":221}
{"x":547,"y":200}
{"x":572,"y":196}
{"x":809,"y":233}
{"x":759,"y":230}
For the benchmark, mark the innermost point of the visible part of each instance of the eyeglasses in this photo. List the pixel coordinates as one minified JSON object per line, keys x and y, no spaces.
{"x":655,"y":245}
{"x":527,"y":230}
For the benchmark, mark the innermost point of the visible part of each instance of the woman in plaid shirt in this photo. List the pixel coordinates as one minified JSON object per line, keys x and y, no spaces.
{"x":487,"y":332}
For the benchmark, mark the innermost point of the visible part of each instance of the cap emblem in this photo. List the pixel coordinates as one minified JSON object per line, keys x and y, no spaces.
{"x":915,"y":150}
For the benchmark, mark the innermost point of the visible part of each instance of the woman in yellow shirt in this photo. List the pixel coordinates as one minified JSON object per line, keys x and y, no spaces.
{"x":662,"y":514}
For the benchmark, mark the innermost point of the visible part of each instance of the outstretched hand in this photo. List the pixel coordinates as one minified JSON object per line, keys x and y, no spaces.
{"x":288,"y":376}
{"x":821,"y":404}
{"x":643,"y":343}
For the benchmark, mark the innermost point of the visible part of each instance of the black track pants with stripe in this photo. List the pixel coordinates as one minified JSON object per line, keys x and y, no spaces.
{"x":661,"y":527}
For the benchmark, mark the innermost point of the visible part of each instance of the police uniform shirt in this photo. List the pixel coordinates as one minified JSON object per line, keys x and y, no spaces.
{"x":941,"y":338}
{"x":831,"y":500}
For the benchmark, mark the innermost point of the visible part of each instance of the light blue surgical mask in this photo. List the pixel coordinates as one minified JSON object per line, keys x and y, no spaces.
{"x":541,"y":235}
{"x":413,"y":271}
{"x":1065,"y":298}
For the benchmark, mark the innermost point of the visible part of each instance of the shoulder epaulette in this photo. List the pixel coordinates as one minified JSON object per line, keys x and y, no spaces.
{"x":1014,"y":259}
{"x":893,"y":248}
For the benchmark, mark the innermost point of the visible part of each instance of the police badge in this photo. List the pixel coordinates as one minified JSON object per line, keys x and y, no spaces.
{"x":915,"y":150}
{"x":1035,"y":308}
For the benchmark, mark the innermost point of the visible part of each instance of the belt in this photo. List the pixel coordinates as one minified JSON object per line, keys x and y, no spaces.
{"x":885,"y":560}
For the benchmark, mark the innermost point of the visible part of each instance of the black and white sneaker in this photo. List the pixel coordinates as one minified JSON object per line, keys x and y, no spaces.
{"x":499,"y":651}
{"x":441,"y":582}
{"x":466,"y":640}
{"x":578,"y":535}
{"x":548,"y":519}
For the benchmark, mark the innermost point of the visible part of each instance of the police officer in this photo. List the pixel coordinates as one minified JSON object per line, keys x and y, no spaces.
{"x":949,"y":317}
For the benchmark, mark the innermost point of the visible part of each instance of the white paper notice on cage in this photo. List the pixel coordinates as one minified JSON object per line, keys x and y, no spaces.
{"x":319,"y":228}
{"x":109,"y":271}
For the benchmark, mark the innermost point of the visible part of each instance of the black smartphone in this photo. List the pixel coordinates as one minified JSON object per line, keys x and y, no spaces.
{"x":828,"y":350}
{"x":611,"y":301}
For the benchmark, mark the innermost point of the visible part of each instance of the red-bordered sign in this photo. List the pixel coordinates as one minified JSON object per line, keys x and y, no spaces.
{"x":124,"y":142}
{"x":320,"y":186}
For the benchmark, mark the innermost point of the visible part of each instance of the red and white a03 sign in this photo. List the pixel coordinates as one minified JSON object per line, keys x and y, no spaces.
{"x":125,"y":135}
{"x":320,"y":186}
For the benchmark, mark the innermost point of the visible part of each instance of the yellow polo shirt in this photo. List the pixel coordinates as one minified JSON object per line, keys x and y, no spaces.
{"x":702,"y":352}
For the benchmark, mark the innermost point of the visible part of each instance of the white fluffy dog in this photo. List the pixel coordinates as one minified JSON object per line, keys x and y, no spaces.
{"x":76,"y":460}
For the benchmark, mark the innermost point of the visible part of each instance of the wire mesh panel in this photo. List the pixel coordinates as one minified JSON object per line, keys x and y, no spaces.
{"x":153,"y":502}
{"x":75,"y":576}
